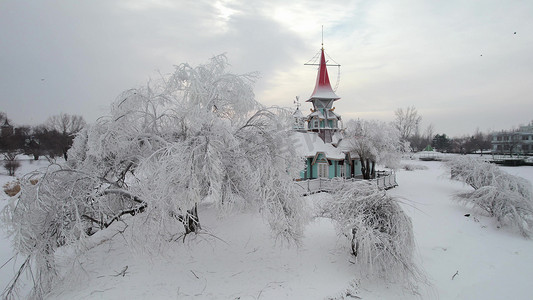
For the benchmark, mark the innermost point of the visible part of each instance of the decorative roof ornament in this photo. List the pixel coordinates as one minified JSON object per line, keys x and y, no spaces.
{"x":297,"y":102}
{"x":298,"y":113}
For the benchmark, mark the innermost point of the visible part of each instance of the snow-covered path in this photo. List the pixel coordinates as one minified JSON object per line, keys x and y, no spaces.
{"x":488,"y":262}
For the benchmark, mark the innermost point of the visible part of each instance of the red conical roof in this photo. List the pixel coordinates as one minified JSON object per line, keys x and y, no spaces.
{"x":323,"y":88}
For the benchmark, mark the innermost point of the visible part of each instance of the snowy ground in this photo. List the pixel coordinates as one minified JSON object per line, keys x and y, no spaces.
{"x":462,"y":257}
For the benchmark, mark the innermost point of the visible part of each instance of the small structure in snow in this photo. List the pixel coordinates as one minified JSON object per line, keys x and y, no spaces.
{"x":429,"y":154}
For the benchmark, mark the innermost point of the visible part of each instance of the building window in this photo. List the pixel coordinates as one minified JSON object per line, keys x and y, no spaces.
{"x":342,"y":173}
{"x":315,"y":123}
{"x":323,"y":170}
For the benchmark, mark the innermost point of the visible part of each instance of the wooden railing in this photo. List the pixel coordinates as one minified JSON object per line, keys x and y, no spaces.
{"x":386,"y":182}
{"x":312,"y":186}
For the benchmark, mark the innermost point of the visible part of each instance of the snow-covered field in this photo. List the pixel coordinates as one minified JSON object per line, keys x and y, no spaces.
{"x":236,"y":258}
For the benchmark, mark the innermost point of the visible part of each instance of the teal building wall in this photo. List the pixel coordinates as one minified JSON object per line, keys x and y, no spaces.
{"x":334,"y":168}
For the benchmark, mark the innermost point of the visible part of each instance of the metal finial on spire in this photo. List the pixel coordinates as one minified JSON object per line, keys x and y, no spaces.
{"x":322,"y":36}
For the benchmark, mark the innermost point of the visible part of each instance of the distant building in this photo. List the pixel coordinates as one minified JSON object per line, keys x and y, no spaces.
{"x":7,"y":129}
{"x":516,"y":142}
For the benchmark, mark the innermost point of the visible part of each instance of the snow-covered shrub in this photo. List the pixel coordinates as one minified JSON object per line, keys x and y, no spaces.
{"x":198,"y":135}
{"x":11,"y":164}
{"x":12,"y":188}
{"x":380,"y":233}
{"x":473,"y":171}
{"x":507,"y":197}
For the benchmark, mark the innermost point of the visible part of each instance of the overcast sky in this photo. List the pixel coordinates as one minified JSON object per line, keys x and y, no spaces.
{"x":459,"y":63}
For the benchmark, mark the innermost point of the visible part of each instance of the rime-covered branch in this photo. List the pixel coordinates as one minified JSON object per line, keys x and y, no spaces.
{"x":380,"y":233}
{"x":196,"y":136}
{"x":504,"y":196}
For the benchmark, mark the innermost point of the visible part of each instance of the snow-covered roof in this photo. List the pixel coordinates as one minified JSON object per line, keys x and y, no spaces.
{"x":308,"y":144}
{"x":323,"y":88}
{"x":317,"y":113}
{"x":337,"y":137}
{"x":298,"y":113}
{"x":346,"y":145}
{"x":330,"y":115}
{"x":323,"y":92}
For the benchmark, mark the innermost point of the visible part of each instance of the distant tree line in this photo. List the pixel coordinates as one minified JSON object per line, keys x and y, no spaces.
{"x":407,"y":122}
{"x":51,"y":139}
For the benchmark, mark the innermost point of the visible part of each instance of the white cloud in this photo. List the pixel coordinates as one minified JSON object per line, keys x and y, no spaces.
{"x":393,"y":54}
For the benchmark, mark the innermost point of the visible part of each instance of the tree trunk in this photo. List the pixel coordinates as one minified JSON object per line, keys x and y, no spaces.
{"x":365,"y":168}
{"x":355,"y":244}
{"x":192,"y":221}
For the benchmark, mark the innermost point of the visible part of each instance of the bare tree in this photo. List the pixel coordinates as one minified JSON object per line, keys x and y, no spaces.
{"x":11,"y":164}
{"x":67,"y":126}
{"x":3,"y":117}
{"x":429,"y":133}
{"x":65,"y":123}
{"x":406,"y":121}
{"x":419,"y":141}
{"x":511,"y":142}
{"x":481,"y":141}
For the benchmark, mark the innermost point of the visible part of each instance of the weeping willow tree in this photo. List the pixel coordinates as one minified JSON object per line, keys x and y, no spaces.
{"x":197,"y":135}
{"x":379,"y":233}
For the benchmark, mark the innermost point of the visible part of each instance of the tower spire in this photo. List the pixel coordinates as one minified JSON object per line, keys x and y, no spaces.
{"x":322,"y":119}
{"x":323,"y":88}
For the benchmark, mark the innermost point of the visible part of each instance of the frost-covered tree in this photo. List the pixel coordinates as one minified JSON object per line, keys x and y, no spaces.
{"x":407,"y":121}
{"x":507,"y":197}
{"x":193,"y":137}
{"x":380,"y":233}
{"x":376,"y":143}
